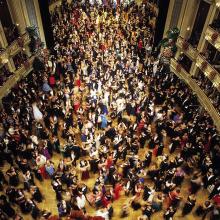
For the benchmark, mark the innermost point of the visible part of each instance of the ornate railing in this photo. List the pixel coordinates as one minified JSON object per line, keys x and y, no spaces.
{"x":14,"y":47}
{"x":20,"y":73}
{"x":187,"y":48}
{"x":203,"y":99}
{"x":213,"y":37}
{"x":208,"y":70}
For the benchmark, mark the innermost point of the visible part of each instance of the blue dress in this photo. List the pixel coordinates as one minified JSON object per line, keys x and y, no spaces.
{"x":105,"y":110}
{"x":83,"y":138}
{"x":104,"y":121}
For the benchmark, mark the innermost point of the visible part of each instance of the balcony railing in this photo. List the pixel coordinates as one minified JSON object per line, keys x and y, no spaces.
{"x":187,"y":48}
{"x":208,"y":70}
{"x":20,"y":73}
{"x":213,"y":37}
{"x":14,"y":47}
{"x":203,"y":99}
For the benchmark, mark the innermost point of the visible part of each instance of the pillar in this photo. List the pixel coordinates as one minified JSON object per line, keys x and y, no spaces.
{"x":194,"y":69}
{"x":4,"y":44}
{"x":188,"y":17}
{"x":3,"y":40}
{"x":213,"y":11}
{"x":39,"y":21}
{"x":169,"y":16}
{"x":19,"y":14}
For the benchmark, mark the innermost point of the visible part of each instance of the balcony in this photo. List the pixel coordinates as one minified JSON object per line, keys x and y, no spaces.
{"x":187,"y":48}
{"x":209,"y":71}
{"x":14,"y":47}
{"x":20,"y":73}
{"x":203,"y":99}
{"x":213,"y":37}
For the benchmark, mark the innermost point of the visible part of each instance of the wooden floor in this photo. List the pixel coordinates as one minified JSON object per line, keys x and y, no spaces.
{"x":50,"y":203}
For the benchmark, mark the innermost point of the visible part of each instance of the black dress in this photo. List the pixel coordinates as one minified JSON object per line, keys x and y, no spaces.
{"x":190,"y":203}
{"x":7,"y":209}
{"x":147,"y":193}
{"x":135,"y":205}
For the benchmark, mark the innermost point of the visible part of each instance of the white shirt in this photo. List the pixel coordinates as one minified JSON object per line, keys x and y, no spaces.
{"x":103,"y":214}
{"x":81,"y":201}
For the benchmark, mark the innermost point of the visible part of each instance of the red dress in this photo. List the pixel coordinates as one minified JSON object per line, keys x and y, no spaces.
{"x":52,"y":81}
{"x":85,"y":175}
{"x":155,"y":151}
{"x":140,"y":44}
{"x":109,"y":162}
{"x":43,"y":172}
{"x":117,"y":191}
{"x":140,"y":126}
{"x":76,"y":106}
{"x":78,"y":82}
{"x":216,"y":199}
{"x":172,"y":196}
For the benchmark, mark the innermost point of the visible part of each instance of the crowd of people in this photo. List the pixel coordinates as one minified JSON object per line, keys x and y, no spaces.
{"x":210,"y":90}
{"x":106,"y":106}
{"x":4,"y":75}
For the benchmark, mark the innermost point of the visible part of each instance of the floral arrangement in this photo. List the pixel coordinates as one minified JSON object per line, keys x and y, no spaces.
{"x":169,"y":43}
{"x":35,"y":42}
{"x":167,"y":52}
{"x":173,"y":33}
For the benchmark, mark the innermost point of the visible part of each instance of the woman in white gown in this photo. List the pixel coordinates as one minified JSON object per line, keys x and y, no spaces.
{"x":38,"y":116}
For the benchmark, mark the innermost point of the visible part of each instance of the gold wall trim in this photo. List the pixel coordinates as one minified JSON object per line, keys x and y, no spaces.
{"x":209,"y":71}
{"x":210,"y":35}
{"x":202,"y":98}
{"x":14,"y":47}
{"x":19,"y":74}
{"x":191,"y":52}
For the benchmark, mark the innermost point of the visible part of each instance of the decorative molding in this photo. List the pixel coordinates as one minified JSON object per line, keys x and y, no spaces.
{"x":20,"y":73}
{"x":213,"y":37}
{"x":15,"y":47}
{"x":209,"y":71}
{"x":203,"y":99}
{"x":187,"y":48}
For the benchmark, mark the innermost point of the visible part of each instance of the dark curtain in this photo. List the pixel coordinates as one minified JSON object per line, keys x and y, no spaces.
{"x":45,"y":15}
{"x":161,"y":20}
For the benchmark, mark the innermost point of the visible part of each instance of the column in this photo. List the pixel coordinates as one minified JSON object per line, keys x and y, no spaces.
{"x":39,"y":21}
{"x":19,"y":14}
{"x":188,"y":18}
{"x":3,"y":40}
{"x":169,"y":16}
{"x":182,"y":13}
{"x":194,"y":69}
{"x":213,"y":10}
{"x":4,"y":44}
{"x":25,"y":12}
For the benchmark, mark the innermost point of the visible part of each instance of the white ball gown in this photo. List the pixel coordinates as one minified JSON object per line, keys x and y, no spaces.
{"x":38,"y":116}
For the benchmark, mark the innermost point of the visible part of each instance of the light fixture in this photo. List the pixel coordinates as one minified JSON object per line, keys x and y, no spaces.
{"x":3,"y":61}
{"x":218,"y":4}
{"x":188,"y":28}
{"x":217,"y":46}
{"x":207,"y":37}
